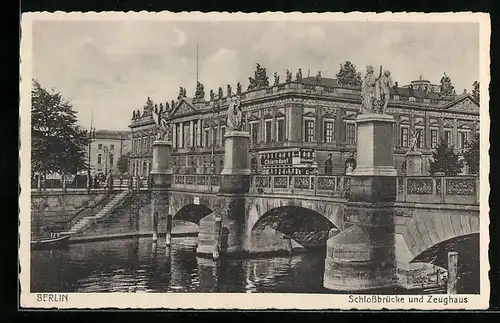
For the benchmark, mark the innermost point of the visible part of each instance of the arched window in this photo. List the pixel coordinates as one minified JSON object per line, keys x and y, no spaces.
{"x":111,"y":159}
{"x":99,"y":159}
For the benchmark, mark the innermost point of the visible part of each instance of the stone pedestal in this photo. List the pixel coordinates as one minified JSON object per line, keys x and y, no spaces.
{"x":235,"y":177}
{"x":234,"y":183}
{"x":375,"y":151}
{"x":413,"y":163}
{"x":362,"y":256}
{"x":161,"y":179}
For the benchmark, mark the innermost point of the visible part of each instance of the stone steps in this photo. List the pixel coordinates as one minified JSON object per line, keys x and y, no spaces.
{"x":86,"y":221}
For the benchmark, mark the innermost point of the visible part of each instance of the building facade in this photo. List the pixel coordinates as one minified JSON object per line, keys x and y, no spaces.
{"x":295,"y":127}
{"x":106,"y":148}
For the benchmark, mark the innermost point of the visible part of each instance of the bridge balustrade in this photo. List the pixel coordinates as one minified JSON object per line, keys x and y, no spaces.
{"x":438,"y":190}
{"x":197,"y":182}
{"x":334,"y":186}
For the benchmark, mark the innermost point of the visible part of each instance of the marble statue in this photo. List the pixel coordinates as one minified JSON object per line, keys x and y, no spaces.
{"x":288,"y":76}
{"x":413,"y":142}
{"x":234,"y":114}
{"x":375,"y":91}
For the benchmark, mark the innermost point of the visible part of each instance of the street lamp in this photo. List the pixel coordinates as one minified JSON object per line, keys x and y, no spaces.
{"x":91,"y":136}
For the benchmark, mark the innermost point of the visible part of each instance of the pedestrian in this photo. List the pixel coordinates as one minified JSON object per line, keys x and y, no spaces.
{"x":329,"y":165}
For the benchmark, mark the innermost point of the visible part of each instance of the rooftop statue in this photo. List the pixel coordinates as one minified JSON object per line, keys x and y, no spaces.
{"x":299,"y":75}
{"x":238,"y":88}
{"x":234,"y":114}
{"x":276,"y":78}
{"x":200,"y":91}
{"x":212,"y":95}
{"x":375,"y":91}
{"x":229,"y":90}
{"x":251,"y":84}
{"x":288,"y":76}
{"x":221,"y":93}
{"x":318,"y":78}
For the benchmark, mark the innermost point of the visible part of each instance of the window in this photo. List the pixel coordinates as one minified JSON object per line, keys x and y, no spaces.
{"x":328,"y":131}
{"x":111,"y":147}
{"x":434,"y":138}
{"x":99,"y":146}
{"x":111,"y":160}
{"x":420,"y":138}
{"x":268,"y":129}
{"x":215,"y":137}
{"x":463,"y":139}
{"x":448,"y":137}
{"x":206,"y":137}
{"x":254,"y":132}
{"x":222,"y":133}
{"x":280,"y":136}
{"x":309,"y":130}
{"x":99,"y":159}
{"x":404,"y":136}
{"x":350,"y":132}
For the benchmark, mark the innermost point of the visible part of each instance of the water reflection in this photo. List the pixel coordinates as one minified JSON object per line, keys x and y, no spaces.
{"x":140,"y":265}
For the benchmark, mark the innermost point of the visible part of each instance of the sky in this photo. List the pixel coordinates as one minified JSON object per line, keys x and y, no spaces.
{"x":107,"y":69}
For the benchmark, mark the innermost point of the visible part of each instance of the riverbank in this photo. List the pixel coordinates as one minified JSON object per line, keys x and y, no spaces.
{"x":126,"y":235}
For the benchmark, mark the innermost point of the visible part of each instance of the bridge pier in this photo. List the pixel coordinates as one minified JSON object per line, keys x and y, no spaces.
{"x":161,"y":178}
{"x":234,"y":184}
{"x":362,"y":256}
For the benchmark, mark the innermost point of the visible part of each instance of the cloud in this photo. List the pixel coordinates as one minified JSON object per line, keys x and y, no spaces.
{"x":111,"y":67}
{"x":181,"y":40}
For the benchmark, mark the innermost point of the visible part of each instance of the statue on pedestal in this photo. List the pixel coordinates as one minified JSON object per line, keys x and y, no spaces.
{"x":238,"y":88}
{"x":413,"y":142}
{"x":375,"y":91}
{"x":221,"y":93}
{"x":234,"y":114}
{"x":288,"y":76}
{"x":276,"y":78}
{"x":212,"y":95}
{"x":229,"y":90}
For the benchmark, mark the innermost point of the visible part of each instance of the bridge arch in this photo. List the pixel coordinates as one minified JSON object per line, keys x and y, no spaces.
{"x":192,"y":213}
{"x":305,"y":226}
{"x":467,"y":247}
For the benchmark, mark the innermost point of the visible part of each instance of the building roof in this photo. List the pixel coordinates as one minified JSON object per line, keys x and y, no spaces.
{"x":112,"y":134}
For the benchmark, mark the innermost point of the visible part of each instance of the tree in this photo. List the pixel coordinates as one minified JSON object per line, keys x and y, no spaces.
{"x":58,"y":144}
{"x":445,"y":160}
{"x":348,"y":75}
{"x":471,"y":154}
{"x":475,"y":90}
{"x":447,"y":87}
{"x":122,"y":163}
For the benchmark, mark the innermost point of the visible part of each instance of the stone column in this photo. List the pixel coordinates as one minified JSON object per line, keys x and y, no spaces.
{"x":192,"y":135}
{"x":181,"y":135}
{"x":174,"y":135}
{"x":198,"y":135}
{"x":161,"y":178}
{"x":362,"y":257}
{"x":234,"y":184}
{"x":413,"y":163}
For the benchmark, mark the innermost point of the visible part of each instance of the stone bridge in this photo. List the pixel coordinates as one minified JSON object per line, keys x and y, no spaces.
{"x":304,"y":211}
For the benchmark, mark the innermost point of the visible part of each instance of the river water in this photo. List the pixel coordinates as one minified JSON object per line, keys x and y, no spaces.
{"x":139,"y":265}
